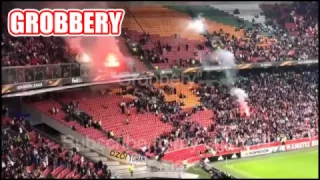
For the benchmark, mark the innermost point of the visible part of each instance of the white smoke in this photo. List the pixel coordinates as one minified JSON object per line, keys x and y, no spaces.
{"x":241,"y":95}
{"x":198,"y":24}
{"x":226,"y":61}
{"x":225,"y":58}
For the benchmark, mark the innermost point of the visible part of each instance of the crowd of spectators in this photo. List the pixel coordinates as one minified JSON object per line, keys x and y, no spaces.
{"x":281,"y":45}
{"x":82,"y":118}
{"x":285,"y":43}
{"x":158,"y":54}
{"x":283,"y":105}
{"x":29,"y":51}
{"x":299,"y":42}
{"x":151,"y":99}
{"x":22,"y":51}
{"x":28,"y":155}
{"x":296,"y":26}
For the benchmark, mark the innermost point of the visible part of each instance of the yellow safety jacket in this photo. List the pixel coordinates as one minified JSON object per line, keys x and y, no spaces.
{"x":131,"y":168}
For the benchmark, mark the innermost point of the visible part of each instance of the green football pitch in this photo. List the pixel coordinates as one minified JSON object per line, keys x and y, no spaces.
{"x":292,"y":164}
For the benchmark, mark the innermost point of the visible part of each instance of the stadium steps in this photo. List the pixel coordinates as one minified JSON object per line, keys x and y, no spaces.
{"x":90,"y":154}
{"x":123,"y":170}
{"x":69,"y":143}
{"x":117,"y":169}
{"x":191,"y":100}
{"x":87,"y":152}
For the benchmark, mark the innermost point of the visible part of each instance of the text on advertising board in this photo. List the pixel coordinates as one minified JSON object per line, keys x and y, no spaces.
{"x":76,"y":80}
{"x":138,"y":159}
{"x":30,"y":86}
{"x":256,"y":152}
{"x":315,"y":143}
{"x":297,"y":146}
{"x":118,"y":155}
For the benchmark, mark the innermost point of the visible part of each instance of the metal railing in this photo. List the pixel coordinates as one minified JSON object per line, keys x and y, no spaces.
{"x":23,"y":74}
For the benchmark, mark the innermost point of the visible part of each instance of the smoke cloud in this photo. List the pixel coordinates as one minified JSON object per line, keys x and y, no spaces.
{"x":241,"y":95}
{"x":226,"y":61}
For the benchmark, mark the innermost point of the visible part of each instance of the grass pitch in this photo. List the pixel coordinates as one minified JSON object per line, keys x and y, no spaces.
{"x":291,"y":164}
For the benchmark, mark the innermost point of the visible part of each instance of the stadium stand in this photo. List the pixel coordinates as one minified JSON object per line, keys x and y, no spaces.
{"x":198,"y":123}
{"x":170,"y":121}
{"x":24,"y":51}
{"x":248,"y":45}
{"x":27,"y":154}
{"x":46,"y":108}
{"x":172,"y":22}
{"x":140,"y":23}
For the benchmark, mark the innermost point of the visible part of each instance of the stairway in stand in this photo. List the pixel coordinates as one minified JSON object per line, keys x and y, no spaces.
{"x":191,"y":101}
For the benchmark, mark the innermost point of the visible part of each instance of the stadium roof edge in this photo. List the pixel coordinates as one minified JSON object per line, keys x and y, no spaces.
{"x":60,"y":88}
